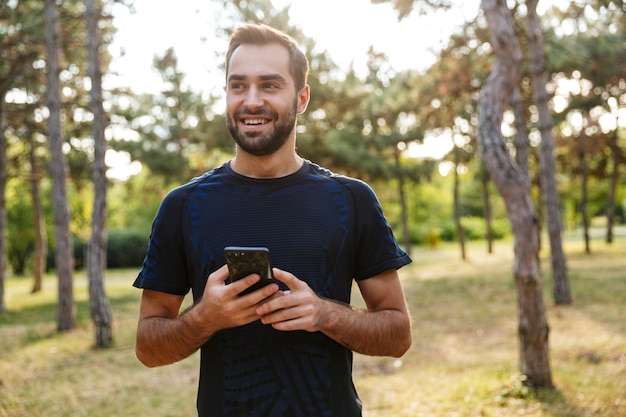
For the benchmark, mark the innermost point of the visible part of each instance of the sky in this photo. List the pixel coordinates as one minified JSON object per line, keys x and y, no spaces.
{"x":345,"y":28}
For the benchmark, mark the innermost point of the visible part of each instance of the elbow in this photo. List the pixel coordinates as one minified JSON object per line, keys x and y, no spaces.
{"x":403,"y":346}
{"x":146,"y":357}
{"x":404,"y":341}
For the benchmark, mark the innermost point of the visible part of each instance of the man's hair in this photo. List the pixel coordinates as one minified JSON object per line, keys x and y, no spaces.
{"x":262,"y":35}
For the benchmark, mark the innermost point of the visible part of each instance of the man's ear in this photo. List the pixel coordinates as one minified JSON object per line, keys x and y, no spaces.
{"x":304,"y":95}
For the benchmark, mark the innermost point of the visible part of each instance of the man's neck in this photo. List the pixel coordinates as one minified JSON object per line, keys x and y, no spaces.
{"x":269,"y":166}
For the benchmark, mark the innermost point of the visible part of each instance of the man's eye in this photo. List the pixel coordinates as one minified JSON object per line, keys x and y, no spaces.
{"x":236,"y":86}
{"x":270,"y":86}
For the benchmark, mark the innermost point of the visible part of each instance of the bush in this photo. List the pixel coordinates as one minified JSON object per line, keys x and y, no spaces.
{"x":475,"y":229}
{"x":126,"y":248}
{"x":425,"y":234}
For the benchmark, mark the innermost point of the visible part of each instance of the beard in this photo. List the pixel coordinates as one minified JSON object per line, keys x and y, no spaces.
{"x":263,"y":143}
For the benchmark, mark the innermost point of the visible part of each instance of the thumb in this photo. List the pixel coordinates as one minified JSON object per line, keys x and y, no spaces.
{"x":219,"y":275}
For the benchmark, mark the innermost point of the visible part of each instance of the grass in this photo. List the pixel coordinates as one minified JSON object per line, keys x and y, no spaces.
{"x":463,"y":362}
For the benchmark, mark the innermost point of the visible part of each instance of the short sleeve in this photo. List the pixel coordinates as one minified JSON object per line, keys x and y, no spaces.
{"x":165,"y":265}
{"x":377,"y":248}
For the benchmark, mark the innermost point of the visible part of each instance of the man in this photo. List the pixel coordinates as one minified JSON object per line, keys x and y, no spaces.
{"x":285,"y":349}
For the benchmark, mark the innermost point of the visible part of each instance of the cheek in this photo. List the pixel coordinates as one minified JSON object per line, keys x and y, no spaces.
{"x":231,"y":107}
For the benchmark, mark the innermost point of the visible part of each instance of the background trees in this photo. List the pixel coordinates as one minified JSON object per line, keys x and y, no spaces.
{"x":58,"y":170}
{"x":369,"y":125}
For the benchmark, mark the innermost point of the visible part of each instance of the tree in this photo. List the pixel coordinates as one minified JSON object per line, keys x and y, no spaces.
{"x":456,"y":151}
{"x":550,"y":193}
{"x":590,"y":60}
{"x":66,"y":319}
{"x":449,"y":91}
{"x":3,"y":205}
{"x":14,"y":62}
{"x":39,"y":226}
{"x":96,"y":250}
{"x":513,"y":185}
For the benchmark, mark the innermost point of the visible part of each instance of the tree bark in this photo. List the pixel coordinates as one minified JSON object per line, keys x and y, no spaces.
{"x":406,"y":236}
{"x":521,"y":138}
{"x":3,"y":203}
{"x":96,"y":251}
{"x":484,"y":181}
{"x":66,"y":319}
{"x":610,"y":204}
{"x":457,"y":212}
{"x":582,"y":160}
{"x":41,"y":245}
{"x":513,"y":185}
{"x":550,"y":193}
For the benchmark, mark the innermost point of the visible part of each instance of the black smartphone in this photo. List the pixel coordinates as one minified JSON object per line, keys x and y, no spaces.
{"x":243,"y":261}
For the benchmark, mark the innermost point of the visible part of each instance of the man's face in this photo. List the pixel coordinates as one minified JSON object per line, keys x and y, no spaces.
{"x":261,"y":99}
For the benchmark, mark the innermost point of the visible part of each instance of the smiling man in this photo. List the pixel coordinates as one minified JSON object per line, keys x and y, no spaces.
{"x":285,"y":349}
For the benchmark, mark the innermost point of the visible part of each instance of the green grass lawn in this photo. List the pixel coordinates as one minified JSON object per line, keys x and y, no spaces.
{"x":463,"y":362}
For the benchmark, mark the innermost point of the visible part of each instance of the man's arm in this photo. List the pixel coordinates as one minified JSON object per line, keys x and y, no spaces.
{"x":384,"y":329}
{"x":164,"y":336}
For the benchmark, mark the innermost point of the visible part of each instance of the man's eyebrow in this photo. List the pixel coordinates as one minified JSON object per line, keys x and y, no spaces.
{"x":273,"y":77}
{"x":266,"y":77}
{"x":236,"y":77}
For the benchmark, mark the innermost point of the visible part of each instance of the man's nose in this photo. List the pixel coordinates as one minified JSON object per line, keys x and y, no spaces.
{"x":253,"y":98}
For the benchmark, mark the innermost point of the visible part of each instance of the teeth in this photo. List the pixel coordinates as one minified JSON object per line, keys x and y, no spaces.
{"x":254,"y":121}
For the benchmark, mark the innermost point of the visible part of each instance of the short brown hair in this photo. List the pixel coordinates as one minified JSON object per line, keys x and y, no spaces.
{"x":262,"y":35}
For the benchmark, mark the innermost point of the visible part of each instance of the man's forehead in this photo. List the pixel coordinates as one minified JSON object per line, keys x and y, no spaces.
{"x":250,"y":60}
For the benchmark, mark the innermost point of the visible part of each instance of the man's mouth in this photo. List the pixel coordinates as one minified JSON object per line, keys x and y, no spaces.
{"x":254,"y":122}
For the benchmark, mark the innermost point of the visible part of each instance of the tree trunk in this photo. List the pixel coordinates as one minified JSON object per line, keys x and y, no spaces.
{"x":521,"y":138}
{"x":66,"y":319}
{"x":457,"y":212}
{"x":406,"y":236}
{"x":513,"y":185}
{"x":3,"y":203}
{"x":521,"y":148}
{"x":550,"y":193}
{"x":96,"y":251}
{"x":41,"y":245}
{"x":610,"y":204}
{"x":484,"y":181}
{"x":582,"y":160}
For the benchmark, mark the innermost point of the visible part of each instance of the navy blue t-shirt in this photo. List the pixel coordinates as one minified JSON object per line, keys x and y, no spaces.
{"x":326,"y":229}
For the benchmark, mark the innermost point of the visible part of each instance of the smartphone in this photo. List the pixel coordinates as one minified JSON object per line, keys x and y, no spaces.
{"x":243,"y":261}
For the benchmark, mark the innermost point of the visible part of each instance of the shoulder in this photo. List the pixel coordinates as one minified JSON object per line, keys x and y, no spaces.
{"x":180,"y":195}
{"x":355,"y":186}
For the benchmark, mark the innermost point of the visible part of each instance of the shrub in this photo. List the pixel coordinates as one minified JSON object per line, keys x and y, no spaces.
{"x":126,"y":248}
{"x":475,"y":228}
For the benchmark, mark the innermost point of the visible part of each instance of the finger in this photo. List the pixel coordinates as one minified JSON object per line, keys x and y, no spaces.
{"x":287,"y":278}
{"x":244,"y":283}
{"x":275,"y":304}
{"x":219,"y":275}
{"x":288,"y":319}
{"x":262,"y":294}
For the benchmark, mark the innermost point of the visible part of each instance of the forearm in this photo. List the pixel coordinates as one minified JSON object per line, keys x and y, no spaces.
{"x":165,"y":340}
{"x":376,"y":333}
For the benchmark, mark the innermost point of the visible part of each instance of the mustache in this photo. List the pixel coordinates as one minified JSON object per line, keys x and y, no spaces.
{"x":261,"y":112}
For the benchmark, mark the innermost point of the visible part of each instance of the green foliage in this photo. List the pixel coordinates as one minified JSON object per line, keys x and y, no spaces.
{"x":126,"y":248}
{"x":355,"y":124}
{"x":475,"y":228}
{"x":20,"y":235}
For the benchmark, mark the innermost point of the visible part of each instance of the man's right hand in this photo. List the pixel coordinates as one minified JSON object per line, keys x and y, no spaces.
{"x":164,"y":336}
{"x":222,"y":304}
